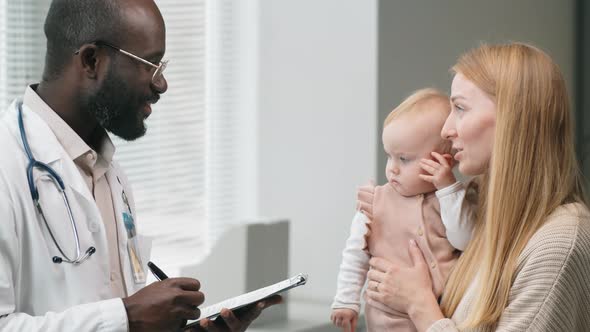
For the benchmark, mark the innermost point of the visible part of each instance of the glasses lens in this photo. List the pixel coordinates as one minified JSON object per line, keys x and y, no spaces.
{"x":159,"y":71}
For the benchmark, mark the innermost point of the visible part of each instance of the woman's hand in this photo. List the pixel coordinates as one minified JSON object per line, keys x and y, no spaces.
{"x":405,"y":289}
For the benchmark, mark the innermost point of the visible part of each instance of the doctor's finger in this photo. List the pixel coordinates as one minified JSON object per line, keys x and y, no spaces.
{"x":213,"y":326}
{"x":188,"y":284}
{"x":232,"y":322}
{"x":196,"y":328}
{"x":239,"y":319}
{"x":190,"y":298}
{"x":185,"y":312}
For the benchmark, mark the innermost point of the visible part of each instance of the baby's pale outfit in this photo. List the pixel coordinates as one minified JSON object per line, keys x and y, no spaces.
{"x":396,"y":220}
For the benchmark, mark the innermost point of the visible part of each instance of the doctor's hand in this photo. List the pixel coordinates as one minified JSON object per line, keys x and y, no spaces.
{"x":164,"y":305}
{"x":237,"y":320}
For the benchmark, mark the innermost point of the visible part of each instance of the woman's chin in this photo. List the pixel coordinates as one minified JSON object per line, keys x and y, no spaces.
{"x":468,"y":169}
{"x":464,"y":169}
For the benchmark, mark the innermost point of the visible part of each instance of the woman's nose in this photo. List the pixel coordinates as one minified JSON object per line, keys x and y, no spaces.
{"x":448,"y":131}
{"x":449,"y":134}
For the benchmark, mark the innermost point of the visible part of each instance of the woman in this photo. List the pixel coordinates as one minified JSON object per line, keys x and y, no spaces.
{"x":527,"y":267}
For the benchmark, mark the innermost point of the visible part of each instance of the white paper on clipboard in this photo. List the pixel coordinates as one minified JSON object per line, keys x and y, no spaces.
{"x":214,"y":310}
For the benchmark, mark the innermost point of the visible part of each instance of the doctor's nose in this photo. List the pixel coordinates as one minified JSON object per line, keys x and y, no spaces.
{"x":160,"y":84}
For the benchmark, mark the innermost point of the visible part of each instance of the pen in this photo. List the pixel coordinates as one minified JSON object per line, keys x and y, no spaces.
{"x":159,"y":274}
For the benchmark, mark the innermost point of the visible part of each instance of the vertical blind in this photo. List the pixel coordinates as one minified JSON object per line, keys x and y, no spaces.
{"x":21,"y":42}
{"x":185,"y":172}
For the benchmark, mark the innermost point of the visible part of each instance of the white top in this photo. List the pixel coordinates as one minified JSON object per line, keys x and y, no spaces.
{"x":455,"y":215}
{"x":355,"y":260}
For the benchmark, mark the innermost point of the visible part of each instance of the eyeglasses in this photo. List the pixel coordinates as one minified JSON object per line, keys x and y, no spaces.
{"x":160,"y":67}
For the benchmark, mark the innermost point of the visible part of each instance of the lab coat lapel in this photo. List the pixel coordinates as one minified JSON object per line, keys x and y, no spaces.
{"x":43,"y":143}
{"x":46,"y":149}
{"x":83,"y":197}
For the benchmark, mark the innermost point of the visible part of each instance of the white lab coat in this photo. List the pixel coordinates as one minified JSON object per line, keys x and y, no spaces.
{"x":35,"y":293}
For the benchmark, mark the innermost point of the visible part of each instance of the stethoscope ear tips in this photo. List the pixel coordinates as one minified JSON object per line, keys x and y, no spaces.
{"x":89,"y":252}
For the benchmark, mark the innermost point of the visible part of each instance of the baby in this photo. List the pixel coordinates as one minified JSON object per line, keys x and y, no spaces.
{"x":419,"y":170}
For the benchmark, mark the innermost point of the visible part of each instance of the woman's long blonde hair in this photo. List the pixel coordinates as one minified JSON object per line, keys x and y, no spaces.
{"x":532,"y":171}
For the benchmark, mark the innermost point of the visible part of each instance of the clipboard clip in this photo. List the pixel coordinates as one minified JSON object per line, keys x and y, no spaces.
{"x":300,"y":279}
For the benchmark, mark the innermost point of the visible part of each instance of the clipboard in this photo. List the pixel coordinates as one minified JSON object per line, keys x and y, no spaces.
{"x":237,"y":302}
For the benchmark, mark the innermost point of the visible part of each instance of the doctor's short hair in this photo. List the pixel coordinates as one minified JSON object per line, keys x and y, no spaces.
{"x":72,"y":23}
{"x":420,"y":100}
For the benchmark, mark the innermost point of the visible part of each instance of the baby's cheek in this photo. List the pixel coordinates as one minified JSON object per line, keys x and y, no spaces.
{"x":388,"y":174}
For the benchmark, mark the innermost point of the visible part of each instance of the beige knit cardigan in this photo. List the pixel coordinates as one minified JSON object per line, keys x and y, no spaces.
{"x":551,"y":289}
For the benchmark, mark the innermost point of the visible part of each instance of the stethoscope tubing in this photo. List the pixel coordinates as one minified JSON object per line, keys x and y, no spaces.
{"x":57,"y":180}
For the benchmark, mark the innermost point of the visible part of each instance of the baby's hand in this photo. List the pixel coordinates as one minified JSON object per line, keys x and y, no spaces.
{"x":345,"y":319}
{"x":440,"y":170}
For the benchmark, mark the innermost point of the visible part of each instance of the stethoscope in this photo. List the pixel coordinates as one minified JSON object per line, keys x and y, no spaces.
{"x":57,"y":180}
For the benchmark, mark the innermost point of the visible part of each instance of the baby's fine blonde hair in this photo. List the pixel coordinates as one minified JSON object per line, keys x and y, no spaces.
{"x":417,"y":102}
{"x":423,"y":100}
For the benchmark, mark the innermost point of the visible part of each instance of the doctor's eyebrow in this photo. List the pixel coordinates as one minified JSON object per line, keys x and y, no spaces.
{"x":155,"y":56}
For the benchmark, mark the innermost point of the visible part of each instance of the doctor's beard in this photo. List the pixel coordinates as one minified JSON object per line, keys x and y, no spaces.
{"x":117,"y":108}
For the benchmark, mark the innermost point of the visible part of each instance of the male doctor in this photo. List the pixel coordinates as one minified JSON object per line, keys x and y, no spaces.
{"x":70,"y":255}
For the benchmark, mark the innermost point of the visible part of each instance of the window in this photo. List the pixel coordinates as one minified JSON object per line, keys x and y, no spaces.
{"x":192,"y":174}
{"x":21,"y":42}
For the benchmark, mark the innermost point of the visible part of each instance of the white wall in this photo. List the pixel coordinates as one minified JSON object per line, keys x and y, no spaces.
{"x":317,"y":125}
